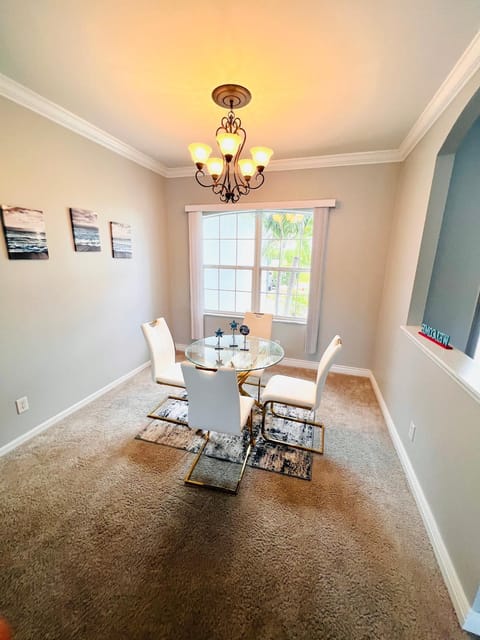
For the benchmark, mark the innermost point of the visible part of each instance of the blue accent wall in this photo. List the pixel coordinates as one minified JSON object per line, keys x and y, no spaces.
{"x":455,"y":281}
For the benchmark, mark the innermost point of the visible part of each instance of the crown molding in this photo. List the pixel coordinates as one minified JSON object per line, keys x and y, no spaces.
{"x":467,"y":65}
{"x":27,"y":98}
{"x":336,"y":160}
{"x":312,"y":162}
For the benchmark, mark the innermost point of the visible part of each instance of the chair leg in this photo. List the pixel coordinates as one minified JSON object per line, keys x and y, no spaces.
{"x":194,"y":463}
{"x":152,"y":413}
{"x":250,"y":429}
{"x":268,"y":438}
{"x":242,"y":379}
{"x":199,"y":483}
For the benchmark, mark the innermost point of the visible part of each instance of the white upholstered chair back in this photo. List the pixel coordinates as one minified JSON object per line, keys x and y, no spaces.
{"x":161,"y":345}
{"x":260,"y":324}
{"x":324,"y":365}
{"x":213,"y":398}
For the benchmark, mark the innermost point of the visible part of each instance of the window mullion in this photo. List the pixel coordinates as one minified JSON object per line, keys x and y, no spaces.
{"x":257,"y":262}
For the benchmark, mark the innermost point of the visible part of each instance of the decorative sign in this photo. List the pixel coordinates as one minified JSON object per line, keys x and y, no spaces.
{"x":440,"y":338}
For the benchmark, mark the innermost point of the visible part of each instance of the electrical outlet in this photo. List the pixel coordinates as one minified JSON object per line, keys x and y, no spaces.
{"x":411,"y":431}
{"x":22,"y":404}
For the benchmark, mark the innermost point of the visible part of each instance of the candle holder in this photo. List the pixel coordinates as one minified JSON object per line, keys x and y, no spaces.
{"x":218,"y":334}
{"x":244,"y":330}
{"x":233,"y":327}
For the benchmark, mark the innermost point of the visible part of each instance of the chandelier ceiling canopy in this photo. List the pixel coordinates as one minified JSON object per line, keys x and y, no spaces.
{"x":230,"y":176}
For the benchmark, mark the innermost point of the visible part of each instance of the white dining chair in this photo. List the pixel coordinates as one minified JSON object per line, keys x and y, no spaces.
{"x":162,"y":355}
{"x":302,"y":394}
{"x":260,"y":325}
{"x":214,"y":404}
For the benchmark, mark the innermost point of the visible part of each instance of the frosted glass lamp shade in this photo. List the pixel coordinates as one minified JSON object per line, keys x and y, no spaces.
{"x":247,"y":167}
{"x":215,"y":167}
{"x":261,"y":156}
{"x":228,"y":143}
{"x":200,"y":152}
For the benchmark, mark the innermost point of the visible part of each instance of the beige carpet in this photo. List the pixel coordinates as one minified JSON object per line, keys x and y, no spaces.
{"x":100,"y":538}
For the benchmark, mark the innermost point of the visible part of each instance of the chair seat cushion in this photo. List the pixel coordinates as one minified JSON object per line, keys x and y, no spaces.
{"x":246,"y":405}
{"x":171,"y":375}
{"x":290,"y":390}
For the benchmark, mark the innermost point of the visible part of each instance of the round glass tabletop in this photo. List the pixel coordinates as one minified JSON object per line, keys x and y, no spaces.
{"x":259,"y":353}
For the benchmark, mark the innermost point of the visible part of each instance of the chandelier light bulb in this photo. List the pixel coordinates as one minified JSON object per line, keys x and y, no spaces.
{"x":247,"y":167}
{"x":261,"y":156}
{"x":229,"y":143}
{"x":215,"y":167}
{"x":200,"y":152}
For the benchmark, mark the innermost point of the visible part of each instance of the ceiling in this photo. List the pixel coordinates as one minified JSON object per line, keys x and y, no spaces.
{"x":326,"y":76}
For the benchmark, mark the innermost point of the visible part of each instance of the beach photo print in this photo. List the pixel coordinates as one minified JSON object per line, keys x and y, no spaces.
{"x":121,"y":240}
{"x":86,"y":235}
{"x":24,"y":231}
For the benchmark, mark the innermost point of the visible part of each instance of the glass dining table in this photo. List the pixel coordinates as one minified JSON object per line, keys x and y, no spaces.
{"x":246,"y":356}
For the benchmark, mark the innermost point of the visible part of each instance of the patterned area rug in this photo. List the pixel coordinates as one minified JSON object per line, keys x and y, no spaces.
{"x":264,"y":455}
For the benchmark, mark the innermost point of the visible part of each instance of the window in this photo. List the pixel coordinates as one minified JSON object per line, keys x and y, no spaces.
{"x":264,"y":259}
{"x":258,"y":260}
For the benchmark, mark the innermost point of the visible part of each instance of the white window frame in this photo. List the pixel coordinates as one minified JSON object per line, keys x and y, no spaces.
{"x":321,"y":210}
{"x":257,"y":269}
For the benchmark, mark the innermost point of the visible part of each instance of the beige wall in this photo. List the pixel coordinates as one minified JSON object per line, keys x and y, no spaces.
{"x":71,"y":325}
{"x":446,"y":416}
{"x":358,"y":238}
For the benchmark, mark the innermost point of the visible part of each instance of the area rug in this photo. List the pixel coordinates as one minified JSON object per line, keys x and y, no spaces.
{"x":265,"y":455}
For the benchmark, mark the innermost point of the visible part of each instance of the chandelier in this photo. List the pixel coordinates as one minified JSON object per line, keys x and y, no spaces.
{"x":229,"y":176}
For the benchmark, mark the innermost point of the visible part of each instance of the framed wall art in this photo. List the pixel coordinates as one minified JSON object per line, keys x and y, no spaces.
{"x":121,"y":240}
{"x":86,"y":235}
{"x":25,"y":234}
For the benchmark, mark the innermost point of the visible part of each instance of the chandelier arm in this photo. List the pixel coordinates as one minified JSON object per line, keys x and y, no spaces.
{"x":241,"y":186}
{"x":199,"y":174}
{"x":258,"y":177}
{"x":218,"y":188}
{"x":223,"y":194}
{"x":237,"y":125}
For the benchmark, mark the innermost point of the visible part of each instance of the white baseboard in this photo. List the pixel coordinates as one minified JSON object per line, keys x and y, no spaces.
{"x":66,"y":412}
{"x":351,"y":371}
{"x":455,"y":589}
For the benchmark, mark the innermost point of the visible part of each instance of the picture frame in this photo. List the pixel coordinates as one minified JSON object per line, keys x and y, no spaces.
{"x":25,"y":234}
{"x":86,"y":233}
{"x":121,"y":234}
